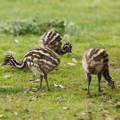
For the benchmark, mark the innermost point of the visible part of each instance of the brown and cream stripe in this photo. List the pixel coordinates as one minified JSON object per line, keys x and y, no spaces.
{"x":44,"y":58}
{"x":51,"y":39}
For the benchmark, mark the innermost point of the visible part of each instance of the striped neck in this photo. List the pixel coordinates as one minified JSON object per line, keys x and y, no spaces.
{"x":16,"y":64}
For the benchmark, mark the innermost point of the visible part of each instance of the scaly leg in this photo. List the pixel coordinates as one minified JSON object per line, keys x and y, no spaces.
{"x":89,"y":81}
{"x":41,"y":79}
{"x":99,"y":80}
{"x":45,"y":77}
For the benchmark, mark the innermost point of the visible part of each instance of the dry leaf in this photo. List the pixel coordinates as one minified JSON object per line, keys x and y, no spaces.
{"x":65,"y":108}
{"x":58,"y":86}
{"x":32,"y":99}
{"x":17,"y":41}
{"x":31,"y":90}
{"x":55,"y":85}
{"x":36,"y":96}
{"x":84,"y":113}
{"x":2,"y":116}
{"x":15,"y":113}
{"x":74,"y":60}
{"x":39,"y":95}
{"x":61,"y":86}
{"x":71,"y":64}
{"x":6,"y":76}
{"x":34,"y":89}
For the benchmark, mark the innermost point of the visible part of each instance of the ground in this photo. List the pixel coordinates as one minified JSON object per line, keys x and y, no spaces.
{"x":98,"y":22}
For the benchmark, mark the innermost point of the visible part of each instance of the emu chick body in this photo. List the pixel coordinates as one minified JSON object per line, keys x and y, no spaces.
{"x":95,"y":61}
{"x":53,"y":40}
{"x":41,"y":61}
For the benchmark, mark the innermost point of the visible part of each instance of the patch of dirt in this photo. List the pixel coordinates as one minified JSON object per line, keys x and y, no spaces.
{"x":117,"y":68}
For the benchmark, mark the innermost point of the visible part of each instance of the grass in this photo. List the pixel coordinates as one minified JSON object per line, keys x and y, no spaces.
{"x":98,"y":22}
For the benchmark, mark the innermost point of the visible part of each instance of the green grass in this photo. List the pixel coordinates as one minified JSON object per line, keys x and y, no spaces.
{"x":99,"y":26}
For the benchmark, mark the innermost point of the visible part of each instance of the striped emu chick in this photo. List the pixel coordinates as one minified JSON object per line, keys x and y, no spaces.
{"x":95,"y":61}
{"x":41,"y":61}
{"x":52,"y":40}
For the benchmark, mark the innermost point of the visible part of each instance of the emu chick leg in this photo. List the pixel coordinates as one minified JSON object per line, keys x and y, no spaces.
{"x":99,"y":80}
{"x":47,"y":85}
{"x":41,"y":79}
{"x":89,"y":81}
